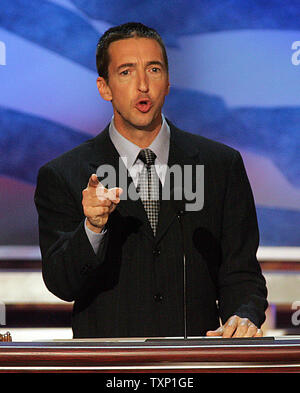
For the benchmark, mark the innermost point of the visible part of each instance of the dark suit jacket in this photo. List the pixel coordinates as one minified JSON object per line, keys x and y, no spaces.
{"x":134,"y":285}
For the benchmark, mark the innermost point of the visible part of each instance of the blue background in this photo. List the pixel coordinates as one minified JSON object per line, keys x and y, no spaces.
{"x":232,"y":78}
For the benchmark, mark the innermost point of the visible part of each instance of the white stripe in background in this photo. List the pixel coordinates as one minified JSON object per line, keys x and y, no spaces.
{"x":264,"y":253}
{"x":45,"y":84}
{"x":20,"y":253}
{"x":270,"y":187}
{"x":98,"y":25}
{"x":244,"y":67}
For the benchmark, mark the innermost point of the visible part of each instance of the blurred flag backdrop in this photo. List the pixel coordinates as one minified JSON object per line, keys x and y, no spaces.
{"x":234,"y":74}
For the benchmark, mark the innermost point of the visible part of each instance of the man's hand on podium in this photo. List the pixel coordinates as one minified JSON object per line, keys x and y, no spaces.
{"x":236,"y":327}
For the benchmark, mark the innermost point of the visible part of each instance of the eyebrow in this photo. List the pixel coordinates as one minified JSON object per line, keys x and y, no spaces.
{"x":153,"y":62}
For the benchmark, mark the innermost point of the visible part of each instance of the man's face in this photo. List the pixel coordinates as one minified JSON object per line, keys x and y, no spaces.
{"x":138,"y":83}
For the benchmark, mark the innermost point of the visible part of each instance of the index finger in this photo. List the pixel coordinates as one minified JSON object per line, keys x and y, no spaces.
{"x":93,"y":181}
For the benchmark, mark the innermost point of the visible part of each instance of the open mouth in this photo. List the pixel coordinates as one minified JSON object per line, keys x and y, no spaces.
{"x":144,"y":105}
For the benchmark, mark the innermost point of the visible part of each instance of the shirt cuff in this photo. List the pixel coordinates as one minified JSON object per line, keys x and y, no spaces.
{"x":94,"y":238}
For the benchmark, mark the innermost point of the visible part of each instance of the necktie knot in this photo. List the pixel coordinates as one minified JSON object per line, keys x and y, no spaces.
{"x":148,"y":157}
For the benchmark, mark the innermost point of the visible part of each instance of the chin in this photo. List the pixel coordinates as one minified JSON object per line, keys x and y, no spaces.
{"x":141,"y":121}
{"x":147,"y":122}
{"x":146,"y":127}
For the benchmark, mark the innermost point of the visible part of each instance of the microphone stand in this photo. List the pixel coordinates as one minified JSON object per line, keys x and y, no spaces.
{"x":180,"y":215}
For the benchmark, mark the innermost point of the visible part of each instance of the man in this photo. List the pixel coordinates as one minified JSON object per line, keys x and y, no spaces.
{"x":139,"y":271}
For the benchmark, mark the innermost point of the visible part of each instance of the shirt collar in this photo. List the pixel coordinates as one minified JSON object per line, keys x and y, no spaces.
{"x":130,"y":151}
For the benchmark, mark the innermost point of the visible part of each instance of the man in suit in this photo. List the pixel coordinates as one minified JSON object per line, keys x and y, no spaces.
{"x":146,"y":269}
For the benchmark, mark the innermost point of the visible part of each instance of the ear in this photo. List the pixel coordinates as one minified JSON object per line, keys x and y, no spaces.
{"x":168,"y":87}
{"x":104,"y":89}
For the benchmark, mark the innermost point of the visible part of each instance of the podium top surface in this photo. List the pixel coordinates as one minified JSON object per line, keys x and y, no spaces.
{"x":168,"y":354}
{"x":169,"y":342}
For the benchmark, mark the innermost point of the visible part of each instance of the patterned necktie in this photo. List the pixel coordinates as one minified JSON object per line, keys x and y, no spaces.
{"x":148,"y":187}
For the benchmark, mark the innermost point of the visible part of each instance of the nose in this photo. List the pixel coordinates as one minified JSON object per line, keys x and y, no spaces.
{"x":142,"y":82}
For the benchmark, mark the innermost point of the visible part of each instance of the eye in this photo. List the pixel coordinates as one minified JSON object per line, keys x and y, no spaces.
{"x":155,"y":69}
{"x":124,"y":72}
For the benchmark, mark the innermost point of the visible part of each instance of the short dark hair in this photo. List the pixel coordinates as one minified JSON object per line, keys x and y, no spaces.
{"x":121,"y":32}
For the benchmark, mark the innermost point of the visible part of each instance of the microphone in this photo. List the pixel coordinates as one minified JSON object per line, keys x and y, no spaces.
{"x":178,"y":206}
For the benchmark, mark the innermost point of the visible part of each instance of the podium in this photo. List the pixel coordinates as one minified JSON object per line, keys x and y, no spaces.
{"x":201,"y":355}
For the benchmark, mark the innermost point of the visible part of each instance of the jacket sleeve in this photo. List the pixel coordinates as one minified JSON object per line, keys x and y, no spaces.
{"x":68,"y":259}
{"x":242,"y":287}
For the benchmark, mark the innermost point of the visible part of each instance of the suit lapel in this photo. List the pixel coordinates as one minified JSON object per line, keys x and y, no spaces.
{"x":179,"y":155}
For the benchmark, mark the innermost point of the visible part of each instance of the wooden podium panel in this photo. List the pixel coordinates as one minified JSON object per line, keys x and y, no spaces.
{"x":200,"y":355}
